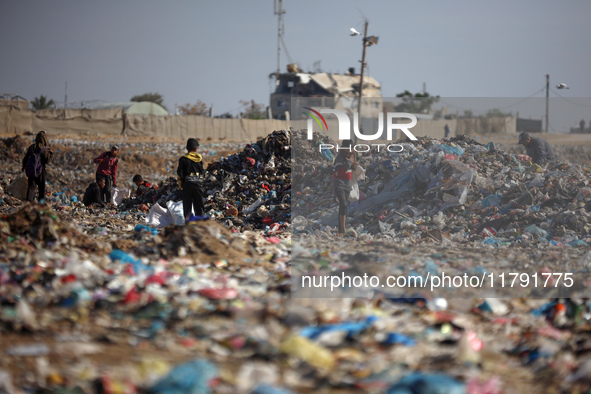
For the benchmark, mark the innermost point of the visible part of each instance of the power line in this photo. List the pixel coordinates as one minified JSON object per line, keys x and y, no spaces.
{"x":526,"y":98}
{"x":569,"y":101}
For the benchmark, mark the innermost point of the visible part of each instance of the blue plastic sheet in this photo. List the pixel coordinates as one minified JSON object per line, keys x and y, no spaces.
{"x":352,"y":328}
{"x":327,"y":154}
{"x":268,"y":389}
{"x":577,"y":243}
{"x":492,"y":241}
{"x":452,"y":150}
{"x":143,"y":227}
{"x":125,"y":258}
{"x":394,"y":338}
{"x":436,"y":383}
{"x":193,"y":377}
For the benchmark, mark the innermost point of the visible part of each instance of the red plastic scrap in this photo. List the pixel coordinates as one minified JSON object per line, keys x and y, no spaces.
{"x":268,"y":220}
{"x":219,"y":294}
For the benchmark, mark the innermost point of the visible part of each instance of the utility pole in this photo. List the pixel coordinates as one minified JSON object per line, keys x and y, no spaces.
{"x":66,"y":96}
{"x":361,"y":80}
{"x":279,"y":11}
{"x":547,"y":100}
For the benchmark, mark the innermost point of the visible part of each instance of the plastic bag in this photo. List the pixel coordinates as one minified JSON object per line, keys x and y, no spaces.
{"x":359,"y":173}
{"x":176,"y":213}
{"x":354,"y":193}
{"x":158,"y":217}
{"x":119,"y":194}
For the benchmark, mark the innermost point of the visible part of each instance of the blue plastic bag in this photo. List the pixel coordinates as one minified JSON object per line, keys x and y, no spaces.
{"x":193,"y":377}
{"x":124,"y":258}
{"x":352,"y":328}
{"x":436,"y":383}
{"x":394,"y":338}
{"x":143,"y":227}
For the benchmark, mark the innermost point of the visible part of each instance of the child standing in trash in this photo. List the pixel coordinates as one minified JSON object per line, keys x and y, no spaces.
{"x":44,"y":152}
{"x":107,"y":167}
{"x":344,"y":165}
{"x":190,"y":172}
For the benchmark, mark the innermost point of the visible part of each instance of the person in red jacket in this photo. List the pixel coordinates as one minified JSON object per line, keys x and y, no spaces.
{"x":107,"y":168}
{"x":142,"y":186}
{"x":344,"y":165}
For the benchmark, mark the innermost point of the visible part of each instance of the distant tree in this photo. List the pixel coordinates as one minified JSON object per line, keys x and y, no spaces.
{"x":495,"y":112}
{"x":41,"y":102}
{"x":151,"y":97}
{"x":225,"y":115}
{"x":253,"y":110}
{"x":418,"y":103}
{"x":199,"y":108}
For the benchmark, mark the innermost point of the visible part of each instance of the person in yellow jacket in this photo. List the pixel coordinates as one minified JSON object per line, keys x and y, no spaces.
{"x":190,"y":172}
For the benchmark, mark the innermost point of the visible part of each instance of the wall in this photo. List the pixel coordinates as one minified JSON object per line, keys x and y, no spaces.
{"x":15,"y":118}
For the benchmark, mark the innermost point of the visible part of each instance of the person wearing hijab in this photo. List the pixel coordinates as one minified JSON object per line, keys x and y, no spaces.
{"x":190,"y":172}
{"x":42,"y":149}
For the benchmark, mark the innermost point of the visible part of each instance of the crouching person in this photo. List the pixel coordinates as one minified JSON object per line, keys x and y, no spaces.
{"x":94,"y":192}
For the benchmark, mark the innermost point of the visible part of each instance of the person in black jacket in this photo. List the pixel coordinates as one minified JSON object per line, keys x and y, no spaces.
{"x":41,"y":148}
{"x":190,"y":172}
{"x":93,"y":194}
{"x":538,"y":149}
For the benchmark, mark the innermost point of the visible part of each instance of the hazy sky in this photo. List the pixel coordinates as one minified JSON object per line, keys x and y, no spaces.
{"x":223,"y":51}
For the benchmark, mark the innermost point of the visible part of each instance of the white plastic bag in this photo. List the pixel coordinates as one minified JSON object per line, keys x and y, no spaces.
{"x":359,"y":173}
{"x":119,"y":194}
{"x":175,"y":210}
{"x":354,"y":194}
{"x":158,"y":217}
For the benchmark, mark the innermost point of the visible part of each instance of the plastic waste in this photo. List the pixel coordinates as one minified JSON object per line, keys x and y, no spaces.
{"x":268,"y":389}
{"x":194,"y":377}
{"x":125,"y":258}
{"x":143,"y":227}
{"x":32,"y":350}
{"x":424,"y":383}
{"x":395,"y":338}
{"x":495,"y":306}
{"x":308,"y":351}
{"x":351,"y":328}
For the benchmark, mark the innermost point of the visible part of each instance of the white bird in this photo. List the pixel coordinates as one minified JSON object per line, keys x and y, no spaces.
{"x":562,"y":86}
{"x":354,"y":32}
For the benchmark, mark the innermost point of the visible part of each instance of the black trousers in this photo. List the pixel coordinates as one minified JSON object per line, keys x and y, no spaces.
{"x":33,"y":183}
{"x":192,"y":198}
{"x":343,"y":199}
{"x":107,"y":191}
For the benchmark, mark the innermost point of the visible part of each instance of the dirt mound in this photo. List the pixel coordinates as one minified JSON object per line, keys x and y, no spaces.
{"x":205,"y":241}
{"x":35,"y":224}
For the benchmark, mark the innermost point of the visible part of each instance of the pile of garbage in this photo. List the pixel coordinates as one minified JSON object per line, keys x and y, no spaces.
{"x":99,"y":301}
{"x":249,"y":190}
{"x":456,"y":189}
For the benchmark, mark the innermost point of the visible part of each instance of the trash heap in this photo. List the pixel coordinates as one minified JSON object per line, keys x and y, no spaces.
{"x":457,"y":190}
{"x":98,"y":302}
{"x":246,"y":191}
